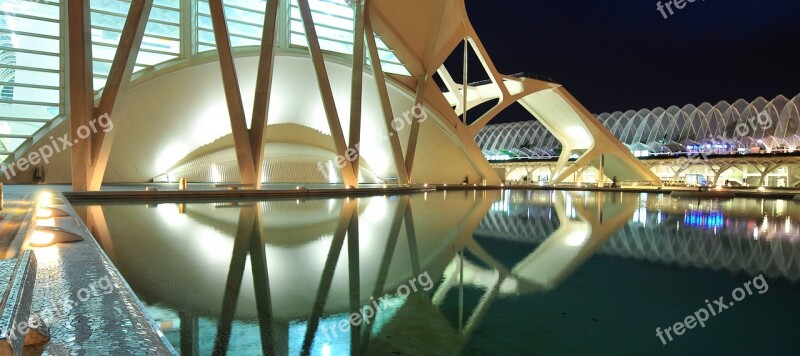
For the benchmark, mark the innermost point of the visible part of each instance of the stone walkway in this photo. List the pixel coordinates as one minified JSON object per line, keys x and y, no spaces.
{"x":89,"y":307}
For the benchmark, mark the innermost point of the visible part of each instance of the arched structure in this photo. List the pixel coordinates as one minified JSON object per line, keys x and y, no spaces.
{"x":709,"y":129}
{"x":711,"y":138}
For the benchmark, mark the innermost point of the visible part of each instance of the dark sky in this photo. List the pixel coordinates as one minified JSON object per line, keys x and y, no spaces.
{"x":622,"y":54}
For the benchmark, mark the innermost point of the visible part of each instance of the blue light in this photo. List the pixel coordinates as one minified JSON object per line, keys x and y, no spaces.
{"x":706,"y":220}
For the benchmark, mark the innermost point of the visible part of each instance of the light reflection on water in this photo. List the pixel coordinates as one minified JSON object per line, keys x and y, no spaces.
{"x":277,"y":277}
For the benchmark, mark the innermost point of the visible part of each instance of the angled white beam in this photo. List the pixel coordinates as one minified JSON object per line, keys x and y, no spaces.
{"x":79,"y":77}
{"x":325,"y":90}
{"x":451,"y":87}
{"x":386,"y":105}
{"x":356,"y":95}
{"x":233,"y":95}
{"x":494,"y":75}
{"x":411,"y":148}
{"x":422,"y":84}
{"x":263,"y":91}
{"x":116,"y":87}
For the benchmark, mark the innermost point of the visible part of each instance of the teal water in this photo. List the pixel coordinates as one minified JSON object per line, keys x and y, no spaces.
{"x":472,"y":273}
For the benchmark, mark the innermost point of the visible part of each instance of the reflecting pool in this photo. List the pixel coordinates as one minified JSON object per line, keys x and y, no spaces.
{"x":462,"y":272}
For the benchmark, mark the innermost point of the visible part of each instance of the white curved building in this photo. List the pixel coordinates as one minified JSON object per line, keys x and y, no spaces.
{"x":322,"y":115}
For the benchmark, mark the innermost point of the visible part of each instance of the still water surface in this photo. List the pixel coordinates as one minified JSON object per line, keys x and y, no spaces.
{"x":464,"y":272}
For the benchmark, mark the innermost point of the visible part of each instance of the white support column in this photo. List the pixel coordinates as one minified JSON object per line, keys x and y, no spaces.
{"x":386,"y":105}
{"x":233,"y":95}
{"x":422,"y":85}
{"x":188,"y":13}
{"x":80,"y":90}
{"x":263,"y":92}
{"x":356,"y":96}
{"x":411,"y":149}
{"x":465,"y":84}
{"x":325,"y":90}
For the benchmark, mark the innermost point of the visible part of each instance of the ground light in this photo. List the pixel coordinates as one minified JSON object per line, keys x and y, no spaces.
{"x":46,"y":233}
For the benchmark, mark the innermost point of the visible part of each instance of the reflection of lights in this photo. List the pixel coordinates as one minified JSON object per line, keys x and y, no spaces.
{"x":171,"y":214}
{"x":710,"y":220}
{"x":780,"y":207}
{"x":640,"y":216}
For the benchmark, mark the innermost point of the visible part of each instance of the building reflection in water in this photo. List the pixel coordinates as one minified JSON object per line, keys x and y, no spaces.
{"x":279,"y":277}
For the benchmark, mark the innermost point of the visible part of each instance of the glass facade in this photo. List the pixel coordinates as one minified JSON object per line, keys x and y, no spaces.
{"x":31,"y":79}
{"x":32,"y":47}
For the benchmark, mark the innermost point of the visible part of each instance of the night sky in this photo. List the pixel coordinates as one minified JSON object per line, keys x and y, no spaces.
{"x":622,"y":54}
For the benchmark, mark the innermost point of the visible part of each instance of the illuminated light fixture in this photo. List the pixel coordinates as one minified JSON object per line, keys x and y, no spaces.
{"x":42,"y":238}
{"x":45,"y":236}
{"x":45,"y":195}
{"x":300,"y":188}
{"x":46,"y":199}
{"x":425,"y":185}
{"x":762,"y":189}
{"x":50,"y":213}
{"x":445,"y":184}
{"x":385,"y":186}
{"x":46,"y":222}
